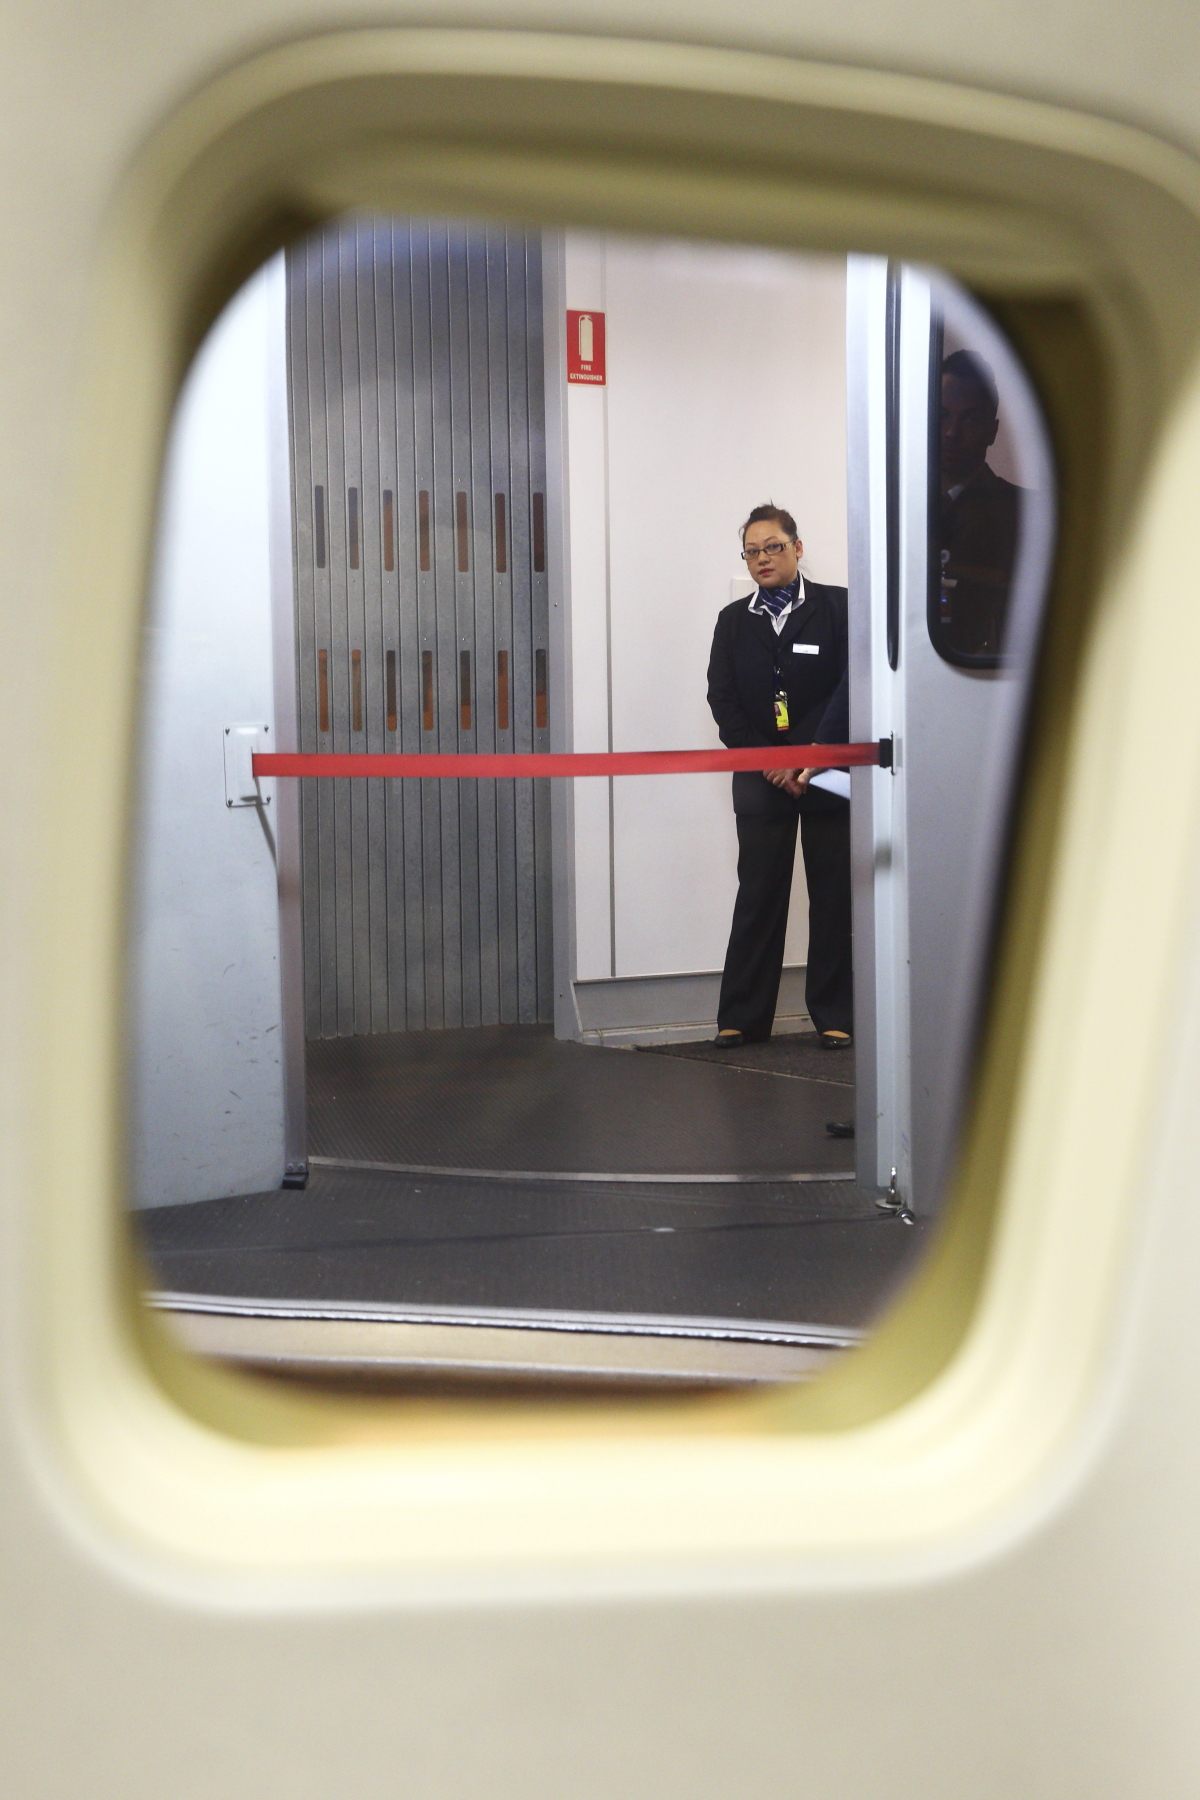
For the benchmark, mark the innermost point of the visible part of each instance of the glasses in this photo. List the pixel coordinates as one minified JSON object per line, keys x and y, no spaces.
{"x":774,"y":548}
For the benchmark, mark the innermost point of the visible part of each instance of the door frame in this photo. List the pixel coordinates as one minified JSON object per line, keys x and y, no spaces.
{"x":287,"y":793}
{"x":558,"y":569}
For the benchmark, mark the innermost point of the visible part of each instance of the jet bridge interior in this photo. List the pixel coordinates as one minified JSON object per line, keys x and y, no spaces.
{"x":424,"y":1084}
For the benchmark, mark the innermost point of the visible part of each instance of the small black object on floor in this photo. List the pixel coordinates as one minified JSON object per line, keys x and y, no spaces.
{"x":459,"y":1115}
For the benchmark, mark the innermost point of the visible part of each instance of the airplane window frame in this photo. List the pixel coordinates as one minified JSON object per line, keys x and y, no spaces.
{"x":192,"y":220}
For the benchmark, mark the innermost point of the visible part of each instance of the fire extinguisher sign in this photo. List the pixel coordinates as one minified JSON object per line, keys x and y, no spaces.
{"x":585,"y":348}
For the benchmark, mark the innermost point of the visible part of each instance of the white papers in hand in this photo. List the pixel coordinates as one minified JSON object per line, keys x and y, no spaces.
{"x":834,"y":781}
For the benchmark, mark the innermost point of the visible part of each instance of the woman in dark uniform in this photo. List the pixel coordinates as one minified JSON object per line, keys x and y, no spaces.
{"x":778,"y":675}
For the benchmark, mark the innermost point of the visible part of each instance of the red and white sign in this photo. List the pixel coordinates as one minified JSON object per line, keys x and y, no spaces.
{"x":585,"y":348}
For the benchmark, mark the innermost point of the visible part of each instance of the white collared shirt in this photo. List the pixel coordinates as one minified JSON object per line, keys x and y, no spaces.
{"x":756,"y":606}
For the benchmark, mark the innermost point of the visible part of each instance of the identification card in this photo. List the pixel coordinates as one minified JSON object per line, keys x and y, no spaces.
{"x":781,"y":711}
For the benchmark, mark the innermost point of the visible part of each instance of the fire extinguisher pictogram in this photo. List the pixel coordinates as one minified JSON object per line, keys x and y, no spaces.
{"x":585,"y":348}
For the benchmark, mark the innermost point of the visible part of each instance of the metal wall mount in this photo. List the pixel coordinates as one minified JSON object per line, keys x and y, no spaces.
{"x":240,"y":744}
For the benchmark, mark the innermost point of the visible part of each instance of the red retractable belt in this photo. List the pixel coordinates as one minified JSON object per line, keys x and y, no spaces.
{"x":483,"y":767}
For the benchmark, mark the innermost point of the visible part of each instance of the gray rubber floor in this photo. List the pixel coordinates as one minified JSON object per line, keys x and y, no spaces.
{"x":798,"y":1054}
{"x":510,"y":1099}
{"x":816,"y":1254}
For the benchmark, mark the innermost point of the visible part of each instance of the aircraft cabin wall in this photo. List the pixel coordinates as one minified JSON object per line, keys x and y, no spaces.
{"x":983,"y":1581}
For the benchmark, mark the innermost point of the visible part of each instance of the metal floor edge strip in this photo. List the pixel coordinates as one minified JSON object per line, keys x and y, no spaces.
{"x":806,"y":1336}
{"x":396,"y":1351}
{"x":762,"y":1180}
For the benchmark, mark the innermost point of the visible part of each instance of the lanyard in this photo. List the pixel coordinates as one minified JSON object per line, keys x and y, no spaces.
{"x":780,"y":703}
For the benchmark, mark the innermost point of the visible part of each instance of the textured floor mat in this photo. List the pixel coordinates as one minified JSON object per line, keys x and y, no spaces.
{"x":815,"y":1253}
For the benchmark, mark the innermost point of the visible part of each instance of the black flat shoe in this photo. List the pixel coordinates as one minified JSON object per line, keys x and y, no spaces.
{"x":836,"y":1040}
{"x":728,"y":1040}
{"x":839,"y":1128}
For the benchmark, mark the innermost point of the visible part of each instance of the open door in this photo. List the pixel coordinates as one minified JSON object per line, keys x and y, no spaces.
{"x":951,"y":529}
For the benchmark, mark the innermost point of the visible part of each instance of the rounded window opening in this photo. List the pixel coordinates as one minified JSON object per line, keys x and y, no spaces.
{"x":452,"y":1056}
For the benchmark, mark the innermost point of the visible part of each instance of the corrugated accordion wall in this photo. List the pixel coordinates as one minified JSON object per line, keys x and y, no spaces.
{"x":418,"y":470}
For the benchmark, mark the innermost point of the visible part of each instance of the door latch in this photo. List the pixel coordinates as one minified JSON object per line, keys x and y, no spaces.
{"x":894,"y":1204}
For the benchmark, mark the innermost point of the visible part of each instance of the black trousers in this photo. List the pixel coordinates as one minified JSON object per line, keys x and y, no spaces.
{"x":754,"y":959}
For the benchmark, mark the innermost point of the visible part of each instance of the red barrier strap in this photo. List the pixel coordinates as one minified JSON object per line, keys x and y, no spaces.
{"x":483,"y":767}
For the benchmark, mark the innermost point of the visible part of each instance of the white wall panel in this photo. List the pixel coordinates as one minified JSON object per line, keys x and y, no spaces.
{"x":593,"y":880}
{"x":207,"y":1113}
{"x":587,"y":535}
{"x":726,"y":387}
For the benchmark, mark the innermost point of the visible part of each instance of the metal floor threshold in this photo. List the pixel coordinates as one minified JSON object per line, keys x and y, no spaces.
{"x":758,"y":1179}
{"x":323,"y":1338}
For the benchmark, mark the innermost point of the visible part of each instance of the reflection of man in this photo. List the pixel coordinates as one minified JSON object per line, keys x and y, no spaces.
{"x":980,"y":512}
{"x":777,"y":675}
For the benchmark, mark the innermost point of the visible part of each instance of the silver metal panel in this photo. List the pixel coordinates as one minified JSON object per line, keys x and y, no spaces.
{"x":530,"y":612}
{"x":287,"y":796}
{"x":480,"y":735}
{"x":371,"y":936}
{"x":497,"y":856}
{"x":417,"y":616}
{"x":511,"y":590}
{"x":963,"y":735}
{"x":929,"y":843}
{"x":474,"y":609}
{"x":397,"y":535}
{"x":562,"y":729}
{"x":452,"y":348}
{"x":354,"y":943}
{"x":866,"y":291}
{"x":540,"y":608}
{"x":877,"y":710}
{"x":337,"y":877}
{"x":416,"y":369}
{"x":440,"y":802}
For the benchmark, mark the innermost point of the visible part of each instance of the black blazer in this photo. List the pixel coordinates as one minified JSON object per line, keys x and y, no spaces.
{"x":749,"y":661}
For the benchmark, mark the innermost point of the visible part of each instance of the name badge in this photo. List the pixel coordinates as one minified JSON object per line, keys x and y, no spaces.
{"x":806,"y":649}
